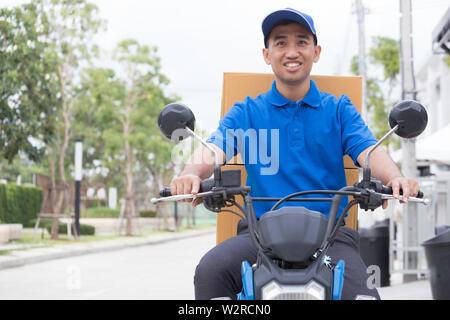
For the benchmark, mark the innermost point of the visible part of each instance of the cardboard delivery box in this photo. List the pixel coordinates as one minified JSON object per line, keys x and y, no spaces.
{"x":237,"y":86}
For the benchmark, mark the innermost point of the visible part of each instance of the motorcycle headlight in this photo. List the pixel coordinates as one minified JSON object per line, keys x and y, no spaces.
{"x":310,"y":291}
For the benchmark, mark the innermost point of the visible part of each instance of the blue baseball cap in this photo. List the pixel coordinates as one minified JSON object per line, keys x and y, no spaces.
{"x":287,"y":14}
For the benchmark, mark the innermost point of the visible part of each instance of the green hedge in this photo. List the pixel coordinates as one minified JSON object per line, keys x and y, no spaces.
{"x":105,"y":212}
{"x":85,"y":229}
{"x":19,"y":204}
{"x":147,"y":213}
{"x":100,"y":212}
{"x":94,"y":203}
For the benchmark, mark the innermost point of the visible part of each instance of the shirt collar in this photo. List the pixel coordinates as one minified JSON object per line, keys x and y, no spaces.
{"x":311,"y":99}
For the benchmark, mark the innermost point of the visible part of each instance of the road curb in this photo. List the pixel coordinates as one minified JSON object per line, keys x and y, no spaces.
{"x":22,"y":258}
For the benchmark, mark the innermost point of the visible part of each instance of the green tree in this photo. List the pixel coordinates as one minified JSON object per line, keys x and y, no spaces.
{"x":447,"y":61}
{"x":142,"y":101}
{"x":59,"y":32}
{"x":383,"y":53}
{"x":73,"y":24}
{"x":101,"y":91}
{"x":28,"y":85}
{"x":123,"y":107}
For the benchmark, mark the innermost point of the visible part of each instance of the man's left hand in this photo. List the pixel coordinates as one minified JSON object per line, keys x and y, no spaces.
{"x":409,"y":187}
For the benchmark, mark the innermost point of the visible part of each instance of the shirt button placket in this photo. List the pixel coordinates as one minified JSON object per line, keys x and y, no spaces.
{"x":297,"y":132}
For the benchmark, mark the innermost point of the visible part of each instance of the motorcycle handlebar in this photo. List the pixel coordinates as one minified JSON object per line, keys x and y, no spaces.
{"x":388,"y":190}
{"x":206,"y":185}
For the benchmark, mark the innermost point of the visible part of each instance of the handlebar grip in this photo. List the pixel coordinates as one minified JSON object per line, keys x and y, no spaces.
{"x":165,"y":193}
{"x":388,"y":190}
{"x":206,"y":185}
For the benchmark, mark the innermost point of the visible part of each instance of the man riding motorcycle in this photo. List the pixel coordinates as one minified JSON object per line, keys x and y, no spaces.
{"x":312,"y":131}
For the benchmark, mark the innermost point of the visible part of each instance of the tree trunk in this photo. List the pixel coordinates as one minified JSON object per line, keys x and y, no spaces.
{"x":52,"y":190}
{"x":65,"y":80}
{"x":129,"y":205}
{"x":67,"y":112}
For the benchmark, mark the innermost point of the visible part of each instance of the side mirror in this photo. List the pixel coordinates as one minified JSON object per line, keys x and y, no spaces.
{"x":177,"y":122}
{"x":407,"y":119}
{"x":411,"y":118}
{"x":174,"y":120}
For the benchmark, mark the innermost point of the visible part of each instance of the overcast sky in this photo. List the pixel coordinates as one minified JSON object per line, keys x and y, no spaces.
{"x":198,"y":40}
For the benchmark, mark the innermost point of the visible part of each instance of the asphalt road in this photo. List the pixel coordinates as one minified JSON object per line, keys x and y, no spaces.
{"x":160,"y":271}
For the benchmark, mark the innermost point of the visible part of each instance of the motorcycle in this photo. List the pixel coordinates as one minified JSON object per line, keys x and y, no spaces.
{"x":290,"y":266}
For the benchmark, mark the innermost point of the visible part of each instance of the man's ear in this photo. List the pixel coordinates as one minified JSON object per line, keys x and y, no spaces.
{"x":265,"y":53}
{"x":317,"y":51}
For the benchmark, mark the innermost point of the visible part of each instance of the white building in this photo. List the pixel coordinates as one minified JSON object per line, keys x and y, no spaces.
{"x":433,"y":91}
{"x":433,"y":86}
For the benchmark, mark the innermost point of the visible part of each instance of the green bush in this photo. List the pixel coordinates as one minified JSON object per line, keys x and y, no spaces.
{"x":94,"y":203}
{"x":19,"y":204}
{"x":100,"y":212}
{"x":147,"y":213}
{"x":85,"y":229}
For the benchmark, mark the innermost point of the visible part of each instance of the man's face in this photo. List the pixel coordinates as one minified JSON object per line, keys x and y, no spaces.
{"x":291,"y":53}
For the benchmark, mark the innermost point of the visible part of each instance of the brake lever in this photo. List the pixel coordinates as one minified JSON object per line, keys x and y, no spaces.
{"x":181,"y":197}
{"x":424,"y":201}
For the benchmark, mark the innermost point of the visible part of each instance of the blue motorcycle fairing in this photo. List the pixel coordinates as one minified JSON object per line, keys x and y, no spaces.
{"x":338,"y":279}
{"x":247,"y":292}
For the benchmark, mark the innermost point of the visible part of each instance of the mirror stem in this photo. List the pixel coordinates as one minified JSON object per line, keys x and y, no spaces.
{"x":366,"y":170}
{"x":217,"y":172}
{"x":197,"y":137}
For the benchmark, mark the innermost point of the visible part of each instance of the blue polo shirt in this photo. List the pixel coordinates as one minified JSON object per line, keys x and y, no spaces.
{"x":291,"y":146}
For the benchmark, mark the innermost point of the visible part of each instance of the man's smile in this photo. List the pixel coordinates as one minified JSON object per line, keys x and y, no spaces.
{"x":292,"y":66}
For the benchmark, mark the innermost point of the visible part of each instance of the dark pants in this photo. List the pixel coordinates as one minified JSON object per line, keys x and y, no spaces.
{"x":219,"y":272}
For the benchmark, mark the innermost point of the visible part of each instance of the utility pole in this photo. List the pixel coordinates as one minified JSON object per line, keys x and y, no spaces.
{"x":362,"y":54}
{"x":409,"y":165}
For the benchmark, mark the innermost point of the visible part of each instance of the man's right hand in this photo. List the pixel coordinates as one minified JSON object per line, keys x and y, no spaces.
{"x":190,"y":178}
{"x":186,"y":184}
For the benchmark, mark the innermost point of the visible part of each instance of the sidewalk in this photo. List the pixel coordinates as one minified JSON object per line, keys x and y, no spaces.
{"x":23,"y":257}
{"x":415,"y":290}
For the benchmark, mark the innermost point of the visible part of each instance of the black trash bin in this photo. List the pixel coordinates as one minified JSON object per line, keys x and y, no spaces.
{"x":437,"y":252}
{"x":374,"y":249}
